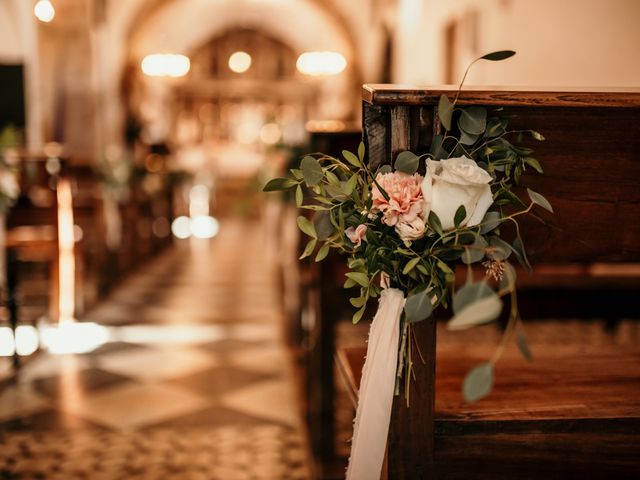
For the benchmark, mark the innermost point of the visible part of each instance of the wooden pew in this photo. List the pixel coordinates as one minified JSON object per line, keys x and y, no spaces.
{"x":319,"y":282}
{"x":591,"y":159}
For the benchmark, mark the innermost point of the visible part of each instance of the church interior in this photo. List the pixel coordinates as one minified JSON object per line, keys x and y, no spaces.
{"x":161,"y":315}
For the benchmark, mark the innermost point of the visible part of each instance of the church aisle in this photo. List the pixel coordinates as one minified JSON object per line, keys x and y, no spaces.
{"x":195,"y":382}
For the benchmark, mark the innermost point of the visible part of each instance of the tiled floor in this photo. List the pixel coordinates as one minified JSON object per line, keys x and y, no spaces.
{"x":194,"y":384}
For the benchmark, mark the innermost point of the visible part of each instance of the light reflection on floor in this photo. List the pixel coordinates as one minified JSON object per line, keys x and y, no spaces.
{"x":182,"y":374}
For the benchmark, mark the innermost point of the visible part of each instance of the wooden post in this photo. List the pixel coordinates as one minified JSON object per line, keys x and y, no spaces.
{"x":410,"y":443}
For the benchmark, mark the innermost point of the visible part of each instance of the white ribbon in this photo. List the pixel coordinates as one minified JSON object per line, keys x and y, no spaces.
{"x":373,"y":414}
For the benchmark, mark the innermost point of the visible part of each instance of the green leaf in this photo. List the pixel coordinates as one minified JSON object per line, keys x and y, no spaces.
{"x":500,"y":250}
{"x":407,"y":162}
{"x":358,"y":277}
{"x":474,"y":304}
{"x":473,"y":120}
{"x":461,"y":214}
{"x":311,"y":170}
{"x":384,"y":169}
{"x":535,"y":164}
{"x":523,"y":346}
{"x":299,"y":195}
{"x":467,"y":138}
{"x":358,"y":301}
{"x":308,"y":250}
{"x":478,"y":382}
{"x":323,"y":252}
{"x":434,"y":223}
{"x":361,"y":152}
{"x":521,"y":253}
{"x":539,"y":200}
{"x":475,"y":252}
{"x":306,"y":226}
{"x":490,"y":221}
{"x":418,"y":307}
{"x":499,"y":55}
{"x":537,"y":135}
{"x":332,"y":178}
{"x":350,"y":185}
{"x":351,"y":158}
{"x":358,"y":315}
{"x":278,"y":184}
{"x":508,"y":280}
{"x":410,"y":265}
{"x":349,"y":283}
{"x":436,"y":147}
{"x":445,"y":111}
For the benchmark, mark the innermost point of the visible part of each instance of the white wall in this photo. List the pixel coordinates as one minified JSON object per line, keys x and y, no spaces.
{"x":558,"y":42}
{"x":11,"y":49}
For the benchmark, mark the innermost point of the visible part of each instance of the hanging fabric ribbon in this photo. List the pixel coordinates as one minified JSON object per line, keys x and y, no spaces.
{"x":373,"y":414}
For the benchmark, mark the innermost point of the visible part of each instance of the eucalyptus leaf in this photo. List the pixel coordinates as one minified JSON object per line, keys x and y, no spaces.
{"x":539,"y":200}
{"x":418,"y":307}
{"x":306,"y":226}
{"x":384,"y":169}
{"x":468,"y":138}
{"x":278,"y":184}
{"x":350,"y":185}
{"x":311,"y":170}
{"x":523,"y":346}
{"x":499,"y":55}
{"x":500,"y":250}
{"x":473,"y":120}
{"x":308,"y":250}
{"x":474,"y":304}
{"x":490,"y":221}
{"x":445,"y":111}
{"x":322,"y":225}
{"x":436,"y":147}
{"x":478,"y":382}
{"x":521,"y":253}
{"x":351,"y":158}
{"x":332,"y":178}
{"x":475,"y":252}
{"x":407,"y":162}
{"x":361,"y":152}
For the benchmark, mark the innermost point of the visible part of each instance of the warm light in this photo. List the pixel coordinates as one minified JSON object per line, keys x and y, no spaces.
{"x":74,"y":337}
{"x":204,"y":226}
{"x":26,"y":340}
{"x":44,"y":11}
{"x":66,"y":259}
{"x":198,"y":201}
{"x":321,"y":63}
{"x":7,"y":344}
{"x":165,"y":65}
{"x":181,"y":227}
{"x":239,"y":62}
{"x":270,"y":133}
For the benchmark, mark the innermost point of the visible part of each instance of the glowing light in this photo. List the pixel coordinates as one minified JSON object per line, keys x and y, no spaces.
{"x":321,"y":63}
{"x":181,"y":227}
{"x":26,"y":340}
{"x":270,"y":133}
{"x":44,"y":11}
{"x":239,"y":62}
{"x":165,"y":65}
{"x":204,"y":226}
{"x":74,"y":337}
{"x":66,"y":259}
{"x":7,"y":342}
{"x":198,"y":201}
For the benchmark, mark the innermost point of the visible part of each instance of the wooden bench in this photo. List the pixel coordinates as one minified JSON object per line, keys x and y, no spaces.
{"x":591,"y":159}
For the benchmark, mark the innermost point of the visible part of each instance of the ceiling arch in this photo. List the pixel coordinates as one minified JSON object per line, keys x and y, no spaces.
{"x":181,"y":26}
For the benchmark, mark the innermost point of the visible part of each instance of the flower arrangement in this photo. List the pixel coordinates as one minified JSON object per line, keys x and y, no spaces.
{"x":409,"y":224}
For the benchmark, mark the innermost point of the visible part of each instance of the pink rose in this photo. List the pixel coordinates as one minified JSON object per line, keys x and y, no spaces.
{"x":357,"y":235}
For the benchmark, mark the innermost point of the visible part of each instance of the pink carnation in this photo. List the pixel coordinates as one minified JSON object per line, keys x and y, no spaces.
{"x":405,"y":203}
{"x":357,"y":235}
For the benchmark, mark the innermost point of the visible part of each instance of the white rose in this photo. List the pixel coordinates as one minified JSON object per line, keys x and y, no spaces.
{"x":453,"y":182}
{"x":412,"y":230}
